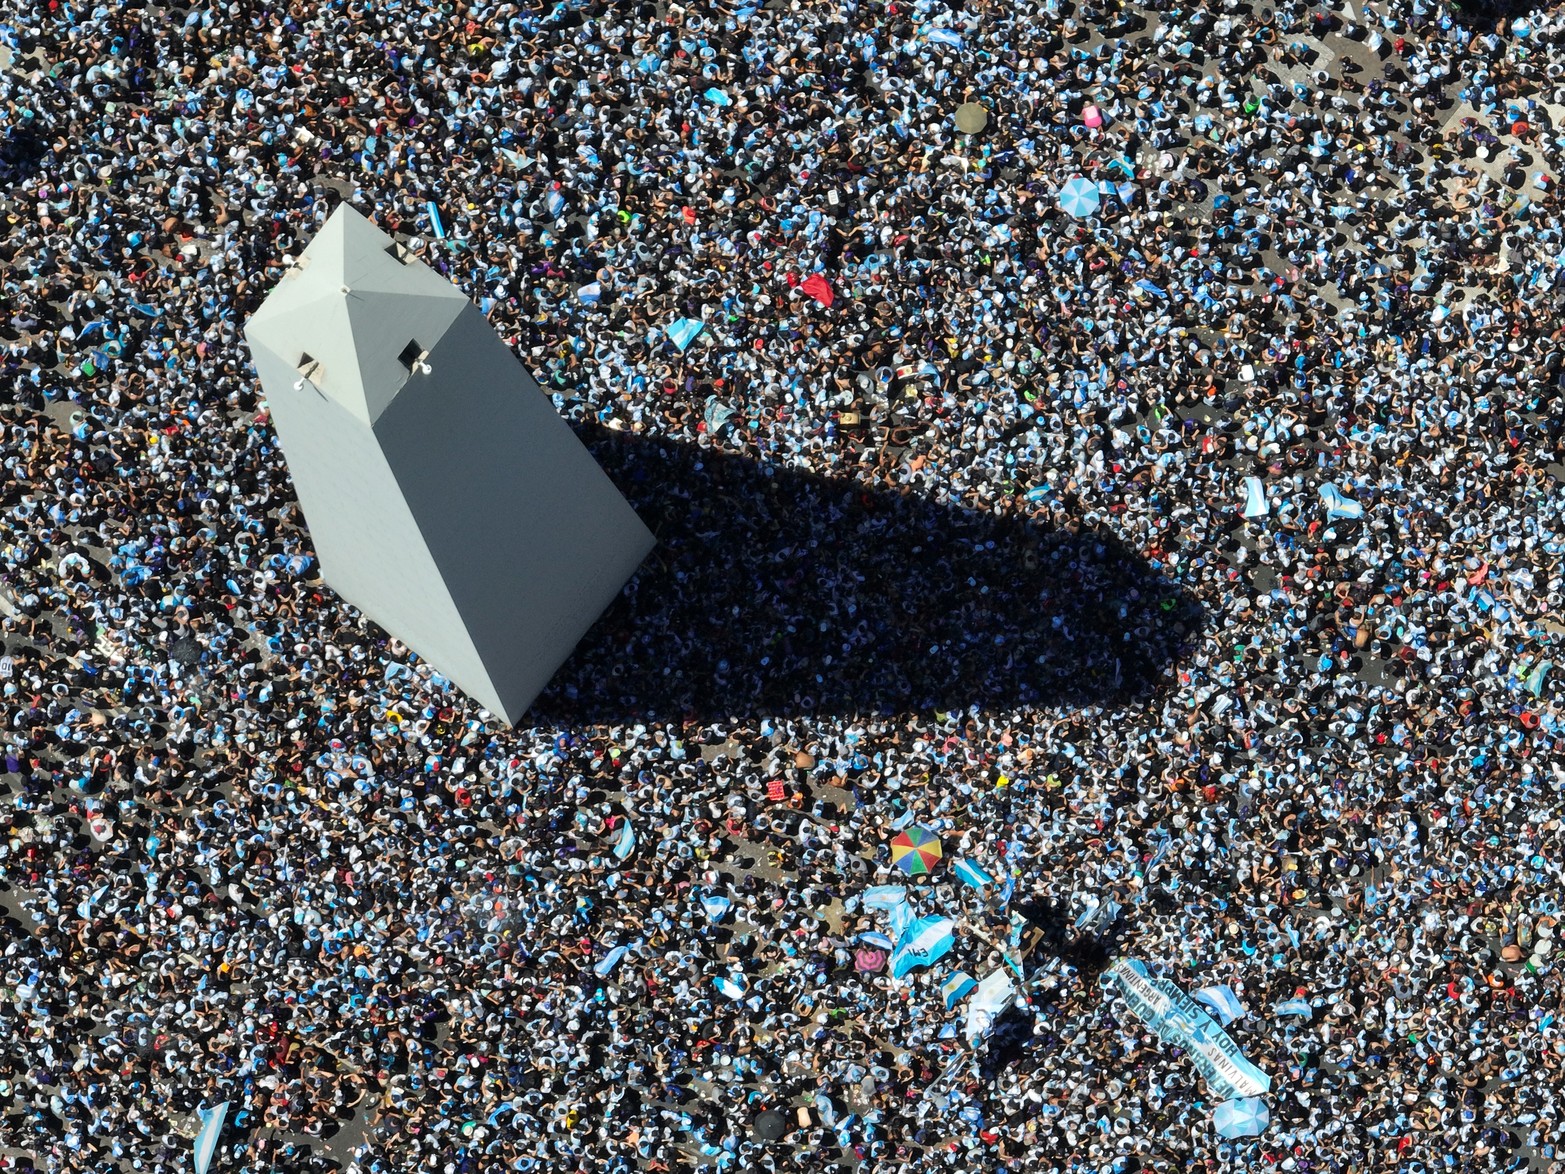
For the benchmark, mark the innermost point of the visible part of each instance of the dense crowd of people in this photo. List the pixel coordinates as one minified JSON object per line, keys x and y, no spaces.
{"x":1192,"y":554}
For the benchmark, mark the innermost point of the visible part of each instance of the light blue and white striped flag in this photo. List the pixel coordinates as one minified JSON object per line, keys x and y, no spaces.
{"x":990,"y":999}
{"x":684,"y":331}
{"x":626,"y":844}
{"x":1222,"y":1001}
{"x":206,"y":1140}
{"x":924,"y":943}
{"x":971,"y":874}
{"x":735,"y":988}
{"x":900,"y":917}
{"x":956,"y":986}
{"x":884,"y":897}
{"x":1255,"y":503}
{"x":610,"y":961}
{"x":1339,"y":504}
{"x":1294,"y":1007}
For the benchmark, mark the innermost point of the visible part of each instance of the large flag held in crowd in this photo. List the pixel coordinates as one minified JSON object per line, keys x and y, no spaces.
{"x":923,"y":943}
{"x":206,"y":1140}
{"x":956,"y":986}
{"x":1179,"y":1020}
{"x":990,"y":999}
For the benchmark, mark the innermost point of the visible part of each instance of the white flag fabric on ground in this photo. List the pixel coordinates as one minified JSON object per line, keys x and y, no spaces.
{"x":206,"y":1140}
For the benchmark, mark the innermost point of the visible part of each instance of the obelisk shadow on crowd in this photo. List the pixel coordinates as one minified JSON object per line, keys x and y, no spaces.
{"x":777,"y":591}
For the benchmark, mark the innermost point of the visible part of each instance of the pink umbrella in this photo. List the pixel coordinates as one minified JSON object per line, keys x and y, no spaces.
{"x":1093,"y":117}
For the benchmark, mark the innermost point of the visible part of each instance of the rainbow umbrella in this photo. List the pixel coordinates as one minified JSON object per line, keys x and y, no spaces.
{"x":916,"y":850}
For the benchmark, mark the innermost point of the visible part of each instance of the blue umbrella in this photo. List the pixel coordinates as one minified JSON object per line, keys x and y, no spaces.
{"x":1241,"y":1117}
{"x":1079,"y":197}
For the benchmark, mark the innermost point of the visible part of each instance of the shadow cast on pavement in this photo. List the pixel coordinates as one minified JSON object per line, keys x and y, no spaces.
{"x":776,"y":591}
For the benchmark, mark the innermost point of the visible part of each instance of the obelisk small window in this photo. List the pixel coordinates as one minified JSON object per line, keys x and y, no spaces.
{"x":413,"y":356}
{"x":309,"y":371}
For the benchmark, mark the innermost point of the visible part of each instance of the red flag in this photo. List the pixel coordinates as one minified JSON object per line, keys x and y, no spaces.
{"x":818,"y":288}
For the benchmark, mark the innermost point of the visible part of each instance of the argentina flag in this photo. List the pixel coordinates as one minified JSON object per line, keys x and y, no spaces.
{"x":1222,"y":1002}
{"x":885,"y":897}
{"x":605,"y":967}
{"x":683,"y":331}
{"x":956,"y":986}
{"x":715,"y":906}
{"x":626,"y":844}
{"x":206,"y":1140}
{"x":924,"y":943}
{"x":971,"y":874}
